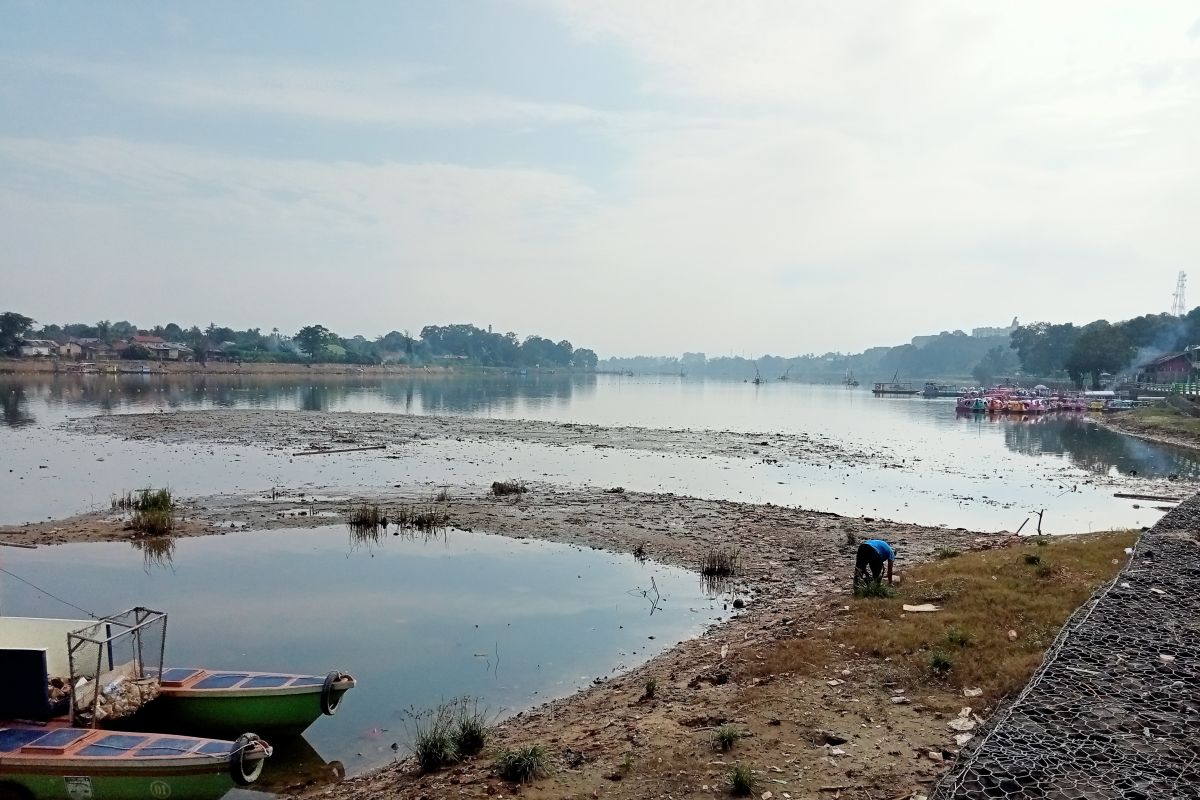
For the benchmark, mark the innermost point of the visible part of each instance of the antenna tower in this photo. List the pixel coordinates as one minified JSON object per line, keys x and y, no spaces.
{"x":1179,"y":303}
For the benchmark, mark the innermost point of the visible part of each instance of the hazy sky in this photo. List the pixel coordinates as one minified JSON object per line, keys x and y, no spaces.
{"x":634,"y":175}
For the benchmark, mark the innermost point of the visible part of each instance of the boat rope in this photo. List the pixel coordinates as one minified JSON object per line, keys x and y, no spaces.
{"x":49,"y":594}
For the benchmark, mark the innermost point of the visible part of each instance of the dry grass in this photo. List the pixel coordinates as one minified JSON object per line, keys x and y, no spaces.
{"x":509,"y":487}
{"x":983,"y":595}
{"x":721,"y":563}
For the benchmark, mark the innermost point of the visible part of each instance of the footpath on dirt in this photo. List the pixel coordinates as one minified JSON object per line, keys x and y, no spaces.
{"x":1114,"y":709}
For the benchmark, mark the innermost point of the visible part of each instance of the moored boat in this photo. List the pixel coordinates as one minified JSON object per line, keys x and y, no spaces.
{"x":197,"y":699}
{"x":64,"y":763}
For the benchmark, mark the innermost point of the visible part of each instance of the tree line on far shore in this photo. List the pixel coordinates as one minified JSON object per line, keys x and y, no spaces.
{"x":1038,"y":352}
{"x":459,"y":343}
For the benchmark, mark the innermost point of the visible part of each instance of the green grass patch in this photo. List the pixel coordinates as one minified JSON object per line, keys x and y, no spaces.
{"x":741,"y":780}
{"x":523,"y":764}
{"x":725,"y":737}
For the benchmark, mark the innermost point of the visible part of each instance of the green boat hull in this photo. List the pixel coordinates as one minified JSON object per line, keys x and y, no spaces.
{"x":204,"y":786}
{"x":289,"y":714}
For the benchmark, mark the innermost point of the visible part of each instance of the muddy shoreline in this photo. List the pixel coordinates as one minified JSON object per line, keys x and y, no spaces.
{"x":1126,"y":422}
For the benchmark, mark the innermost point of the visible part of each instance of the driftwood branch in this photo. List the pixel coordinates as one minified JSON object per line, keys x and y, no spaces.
{"x":340,"y":450}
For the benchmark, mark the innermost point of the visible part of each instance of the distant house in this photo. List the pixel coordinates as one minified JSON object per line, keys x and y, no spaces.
{"x":71,"y":349}
{"x":145,"y":339}
{"x":168,"y":351}
{"x":37,"y":348}
{"x":95,"y":350}
{"x":1169,"y":368}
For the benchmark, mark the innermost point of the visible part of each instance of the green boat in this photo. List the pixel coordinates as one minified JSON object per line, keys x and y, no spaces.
{"x":122,"y":656}
{"x":197,"y":699}
{"x":63,"y":763}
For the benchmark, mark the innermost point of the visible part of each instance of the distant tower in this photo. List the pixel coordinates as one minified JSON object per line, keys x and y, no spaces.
{"x":1179,"y":304}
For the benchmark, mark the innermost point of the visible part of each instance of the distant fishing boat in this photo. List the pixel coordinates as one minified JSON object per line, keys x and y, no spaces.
{"x":894,"y":388}
{"x":849,"y":379}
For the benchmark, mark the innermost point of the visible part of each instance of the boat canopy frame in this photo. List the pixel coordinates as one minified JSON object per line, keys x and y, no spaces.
{"x":139,"y":633}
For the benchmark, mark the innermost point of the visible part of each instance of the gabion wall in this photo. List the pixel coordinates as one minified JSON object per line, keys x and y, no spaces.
{"x":1114,"y":712}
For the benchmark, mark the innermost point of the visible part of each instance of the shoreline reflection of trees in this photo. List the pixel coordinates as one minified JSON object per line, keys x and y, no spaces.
{"x":1096,"y":449}
{"x":501,"y":393}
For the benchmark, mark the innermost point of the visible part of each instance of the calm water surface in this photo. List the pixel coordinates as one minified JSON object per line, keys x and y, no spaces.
{"x":512,"y":622}
{"x":935,"y":467}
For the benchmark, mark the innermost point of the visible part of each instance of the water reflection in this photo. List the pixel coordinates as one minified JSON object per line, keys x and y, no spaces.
{"x":15,"y":406}
{"x":158,"y":552}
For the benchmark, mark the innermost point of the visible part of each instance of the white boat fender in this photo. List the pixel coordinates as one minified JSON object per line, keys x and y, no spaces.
{"x":238,"y":762}
{"x":330,"y":700}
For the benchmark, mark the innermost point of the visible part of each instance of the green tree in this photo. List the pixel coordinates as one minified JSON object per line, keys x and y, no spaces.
{"x":312,"y":339}
{"x":13,"y":327}
{"x":1101,"y":347}
{"x":584,"y":358}
{"x":999,"y":362}
{"x":1043,"y":348}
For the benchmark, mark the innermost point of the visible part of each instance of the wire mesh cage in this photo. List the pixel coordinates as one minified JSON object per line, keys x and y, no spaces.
{"x":115,"y":665}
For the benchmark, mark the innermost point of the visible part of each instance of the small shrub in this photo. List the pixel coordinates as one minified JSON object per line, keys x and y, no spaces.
{"x":442,"y":496}
{"x":851,"y":539}
{"x":651,"y":688}
{"x":155,"y":500}
{"x":1033,"y":558}
{"x":523,"y":764}
{"x":615,"y":490}
{"x":471,"y":730}
{"x":940,"y":663}
{"x":640,"y":552}
{"x":509,"y":487}
{"x":725,"y":737}
{"x":1044,"y":570}
{"x":741,"y":780}
{"x":943,"y":553}
{"x":1042,"y":541}
{"x":433,"y":739}
{"x":874,"y":590}
{"x":958,"y":637}
{"x":721,"y":562}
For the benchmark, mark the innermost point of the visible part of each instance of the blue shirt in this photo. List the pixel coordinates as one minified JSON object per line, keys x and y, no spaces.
{"x":883,"y":548}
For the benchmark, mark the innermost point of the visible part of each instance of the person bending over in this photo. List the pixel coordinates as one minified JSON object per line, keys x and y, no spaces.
{"x":871,"y":555}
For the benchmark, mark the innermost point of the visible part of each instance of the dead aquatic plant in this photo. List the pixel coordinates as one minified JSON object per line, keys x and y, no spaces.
{"x":509,"y":487}
{"x":365,"y":515}
{"x":641,"y":553}
{"x":423,"y":518}
{"x":721,"y":563}
{"x":442,"y":496}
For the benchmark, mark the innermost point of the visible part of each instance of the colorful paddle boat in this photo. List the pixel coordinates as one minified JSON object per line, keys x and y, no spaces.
{"x":64,"y":763}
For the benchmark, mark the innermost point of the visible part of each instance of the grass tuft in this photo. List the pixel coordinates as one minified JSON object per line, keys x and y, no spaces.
{"x":365,"y":515}
{"x":523,"y":764}
{"x":741,"y":780}
{"x":721,"y":563}
{"x":650,"y":689}
{"x":873,"y":590}
{"x":1033,"y":558}
{"x":423,"y":518}
{"x":433,"y":744}
{"x":943,"y":553}
{"x":471,"y":731}
{"x":509,"y":487}
{"x":725,"y":737}
{"x":958,"y":637}
{"x":940,"y":663}
{"x":442,"y":496}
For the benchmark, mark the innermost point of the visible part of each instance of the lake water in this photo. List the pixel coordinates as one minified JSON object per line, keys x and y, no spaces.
{"x":511,"y":622}
{"x":935,"y":467}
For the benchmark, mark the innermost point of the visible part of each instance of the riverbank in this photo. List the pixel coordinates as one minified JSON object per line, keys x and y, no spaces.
{"x":1162,"y":424}
{"x":817,"y":694}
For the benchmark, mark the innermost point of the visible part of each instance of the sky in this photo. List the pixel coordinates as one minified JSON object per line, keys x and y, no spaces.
{"x":636,"y":176}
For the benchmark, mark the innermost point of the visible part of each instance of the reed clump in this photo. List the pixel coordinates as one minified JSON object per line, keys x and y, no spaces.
{"x":429,"y":517}
{"x":741,"y":780}
{"x":153,"y":511}
{"x":721,"y":563}
{"x":509,"y":487}
{"x":366,"y":515}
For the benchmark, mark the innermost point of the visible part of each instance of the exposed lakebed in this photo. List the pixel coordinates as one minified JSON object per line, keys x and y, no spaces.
{"x":416,"y":620}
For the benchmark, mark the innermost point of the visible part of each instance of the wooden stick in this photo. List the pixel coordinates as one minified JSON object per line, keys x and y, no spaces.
{"x":18,"y":544}
{"x":1126,"y":496}
{"x":342,"y":450}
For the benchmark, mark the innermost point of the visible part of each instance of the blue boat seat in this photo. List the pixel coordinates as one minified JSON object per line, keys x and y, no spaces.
{"x":26,"y":686}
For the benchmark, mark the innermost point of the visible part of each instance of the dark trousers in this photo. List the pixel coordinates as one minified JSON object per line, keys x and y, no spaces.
{"x":867,"y":558}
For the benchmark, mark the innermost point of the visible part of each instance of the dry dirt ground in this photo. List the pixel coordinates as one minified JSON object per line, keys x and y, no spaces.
{"x":1163,"y":425}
